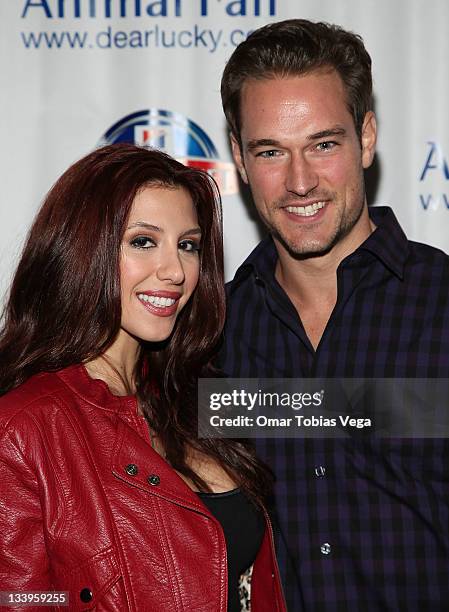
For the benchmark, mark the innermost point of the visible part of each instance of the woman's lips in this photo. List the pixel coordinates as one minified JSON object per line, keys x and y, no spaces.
{"x":160,"y":303}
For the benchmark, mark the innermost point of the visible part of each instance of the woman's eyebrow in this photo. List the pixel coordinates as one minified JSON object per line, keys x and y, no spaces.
{"x":155,"y":228}
{"x":145,"y":225}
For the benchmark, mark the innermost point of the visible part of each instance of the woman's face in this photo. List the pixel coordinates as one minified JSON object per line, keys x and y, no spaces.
{"x":159,"y":264}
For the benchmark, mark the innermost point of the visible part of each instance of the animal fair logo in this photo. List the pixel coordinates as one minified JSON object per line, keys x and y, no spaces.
{"x":434,"y":178}
{"x":178,"y":136}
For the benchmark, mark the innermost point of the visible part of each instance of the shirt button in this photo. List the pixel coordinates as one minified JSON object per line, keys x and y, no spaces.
{"x":131,"y":469}
{"x":320,"y":471}
{"x":325,"y":548}
{"x":86,"y":595}
{"x":154,"y":480}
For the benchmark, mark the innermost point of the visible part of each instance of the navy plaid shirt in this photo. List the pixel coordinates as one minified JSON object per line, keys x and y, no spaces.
{"x":363,"y":524}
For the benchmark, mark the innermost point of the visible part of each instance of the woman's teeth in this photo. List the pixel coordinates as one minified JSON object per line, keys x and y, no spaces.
{"x":159,"y":302}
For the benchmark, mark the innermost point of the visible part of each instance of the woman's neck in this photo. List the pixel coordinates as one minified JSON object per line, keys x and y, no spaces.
{"x":118,"y":380}
{"x":116,"y":366}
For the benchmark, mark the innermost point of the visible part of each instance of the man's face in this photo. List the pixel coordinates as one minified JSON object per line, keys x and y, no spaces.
{"x":304,"y":162}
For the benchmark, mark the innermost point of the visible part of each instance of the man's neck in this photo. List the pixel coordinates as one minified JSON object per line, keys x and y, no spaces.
{"x":311,"y":282}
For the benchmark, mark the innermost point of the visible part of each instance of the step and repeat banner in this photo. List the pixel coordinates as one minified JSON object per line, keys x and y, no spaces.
{"x":79,"y":73}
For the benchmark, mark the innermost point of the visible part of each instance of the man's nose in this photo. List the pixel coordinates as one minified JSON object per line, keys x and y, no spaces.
{"x":302,"y":176}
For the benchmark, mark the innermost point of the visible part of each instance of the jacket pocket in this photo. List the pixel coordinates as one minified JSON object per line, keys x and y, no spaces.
{"x":96,"y":584}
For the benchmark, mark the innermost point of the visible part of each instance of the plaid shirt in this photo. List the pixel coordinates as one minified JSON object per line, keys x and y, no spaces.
{"x":362,"y":524}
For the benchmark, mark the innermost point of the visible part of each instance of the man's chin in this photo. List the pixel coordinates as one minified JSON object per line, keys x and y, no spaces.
{"x":306,"y":248}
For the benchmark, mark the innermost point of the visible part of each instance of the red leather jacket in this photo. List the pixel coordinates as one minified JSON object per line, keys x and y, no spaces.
{"x":88,"y":507}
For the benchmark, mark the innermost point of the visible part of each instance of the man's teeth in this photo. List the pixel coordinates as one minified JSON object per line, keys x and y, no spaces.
{"x":306,"y":211}
{"x":160,"y":302}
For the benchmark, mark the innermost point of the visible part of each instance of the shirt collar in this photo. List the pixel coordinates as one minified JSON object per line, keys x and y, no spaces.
{"x":388,"y":243}
{"x":261,"y":261}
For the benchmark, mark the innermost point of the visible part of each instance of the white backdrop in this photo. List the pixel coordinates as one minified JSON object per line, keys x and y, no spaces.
{"x":72,"y":69}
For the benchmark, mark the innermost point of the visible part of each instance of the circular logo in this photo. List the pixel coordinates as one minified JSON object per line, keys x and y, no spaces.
{"x":178,"y":136}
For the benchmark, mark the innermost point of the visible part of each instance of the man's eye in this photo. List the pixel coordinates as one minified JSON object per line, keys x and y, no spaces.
{"x":190,"y":246}
{"x":142,"y":242}
{"x":328,"y":145}
{"x":268,"y":154}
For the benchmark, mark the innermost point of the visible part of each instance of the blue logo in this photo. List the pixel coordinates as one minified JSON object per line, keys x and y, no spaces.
{"x":435,"y":170}
{"x":178,"y":136}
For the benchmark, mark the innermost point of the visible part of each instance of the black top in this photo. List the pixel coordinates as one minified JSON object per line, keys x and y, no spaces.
{"x":243,"y":526}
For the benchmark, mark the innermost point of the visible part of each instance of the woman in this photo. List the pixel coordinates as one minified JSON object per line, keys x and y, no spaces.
{"x":114,"y":312}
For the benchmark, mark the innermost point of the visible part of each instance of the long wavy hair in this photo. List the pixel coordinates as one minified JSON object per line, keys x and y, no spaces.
{"x":64,"y":306}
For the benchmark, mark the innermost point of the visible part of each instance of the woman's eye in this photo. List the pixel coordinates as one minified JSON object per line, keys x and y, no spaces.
{"x":189,"y":246}
{"x":142,"y":242}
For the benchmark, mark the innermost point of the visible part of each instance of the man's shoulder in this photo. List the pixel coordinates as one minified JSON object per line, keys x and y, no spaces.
{"x":259,"y":264}
{"x":427,"y":267}
{"x":404,"y":256}
{"x":422,"y":253}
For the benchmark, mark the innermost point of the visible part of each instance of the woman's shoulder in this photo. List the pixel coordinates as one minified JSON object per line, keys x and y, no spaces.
{"x":41,"y":391}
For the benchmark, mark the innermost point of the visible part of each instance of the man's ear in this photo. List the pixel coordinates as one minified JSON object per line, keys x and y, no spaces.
{"x":369,"y":137}
{"x":238,"y":158}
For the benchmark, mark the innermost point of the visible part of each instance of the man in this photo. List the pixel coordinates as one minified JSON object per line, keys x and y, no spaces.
{"x":336,"y":290}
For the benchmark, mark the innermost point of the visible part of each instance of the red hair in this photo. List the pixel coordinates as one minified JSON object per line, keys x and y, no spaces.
{"x":65,"y":307}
